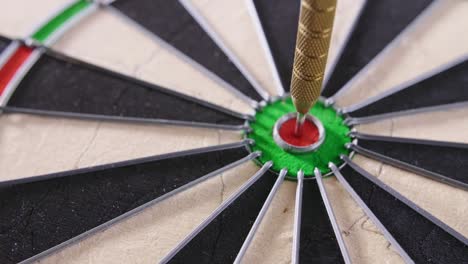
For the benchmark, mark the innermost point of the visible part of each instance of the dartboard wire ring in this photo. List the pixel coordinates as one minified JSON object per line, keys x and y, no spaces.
{"x":248,"y":129}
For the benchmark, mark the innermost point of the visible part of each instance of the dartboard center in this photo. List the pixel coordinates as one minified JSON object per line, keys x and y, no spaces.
{"x":308,"y":136}
{"x":322,"y":140}
{"x":307,"y":139}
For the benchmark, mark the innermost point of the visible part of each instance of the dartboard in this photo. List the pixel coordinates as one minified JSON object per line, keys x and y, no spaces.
{"x":142,"y":131}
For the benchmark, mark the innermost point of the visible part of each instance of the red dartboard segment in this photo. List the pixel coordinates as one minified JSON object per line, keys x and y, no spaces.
{"x":9,"y":69}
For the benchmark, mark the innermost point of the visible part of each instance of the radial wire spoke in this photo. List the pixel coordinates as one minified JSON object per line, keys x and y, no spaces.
{"x":370,"y":214}
{"x":74,"y":89}
{"x":266,"y":47}
{"x":421,"y":238}
{"x":431,"y":158}
{"x":318,"y":243}
{"x":440,"y":157}
{"x":407,"y":202}
{"x":279,"y":25}
{"x":350,"y":24}
{"x":331,"y":216}
{"x":108,"y":118}
{"x":260,"y":216}
{"x":181,"y":56}
{"x":191,"y":248}
{"x":297,"y":219}
{"x":409,"y":140}
{"x":423,"y":92}
{"x":188,"y":37}
{"x":92,"y":67}
{"x":121,"y":164}
{"x":122,"y":192}
{"x":280,"y":33}
{"x":192,"y":9}
{"x":421,"y":110}
{"x":366,"y":44}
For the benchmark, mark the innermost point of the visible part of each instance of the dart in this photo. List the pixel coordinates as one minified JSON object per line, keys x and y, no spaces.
{"x":302,"y":132}
{"x":311,"y":53}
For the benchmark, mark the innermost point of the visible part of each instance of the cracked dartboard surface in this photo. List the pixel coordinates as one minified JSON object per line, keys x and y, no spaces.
{"x":131,"y":131}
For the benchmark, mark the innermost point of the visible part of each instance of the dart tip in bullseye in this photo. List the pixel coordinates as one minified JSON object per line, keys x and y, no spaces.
{"x":309,"y":137}
{"x":300,"y":118}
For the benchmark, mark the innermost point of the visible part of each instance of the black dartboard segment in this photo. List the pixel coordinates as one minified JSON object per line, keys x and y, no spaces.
{"x":170,"y":21}
{"x":222,"y":239}
{"x":57,"y":84}
{"x":380,"y":22}
{"x":279,"y":19}
{"x":37,"y":216}
{"x":318,"y":243}
{"x":3,"y":43}
{"x":424,"y":241}
{"x":449,"y":161}
{"x":449,"y":86}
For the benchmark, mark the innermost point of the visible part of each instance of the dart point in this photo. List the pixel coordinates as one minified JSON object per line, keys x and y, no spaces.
{"x":310,"y":138}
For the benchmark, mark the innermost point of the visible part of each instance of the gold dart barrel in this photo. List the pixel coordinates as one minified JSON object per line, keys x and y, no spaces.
{"x":310,"y":58}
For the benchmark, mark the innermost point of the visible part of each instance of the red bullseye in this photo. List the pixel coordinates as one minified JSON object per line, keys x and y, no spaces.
{"x":310,"y":133}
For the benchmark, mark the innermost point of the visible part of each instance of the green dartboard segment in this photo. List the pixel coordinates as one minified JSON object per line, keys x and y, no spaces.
{"x":55,"y":23}
{"x":336,"y":136}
